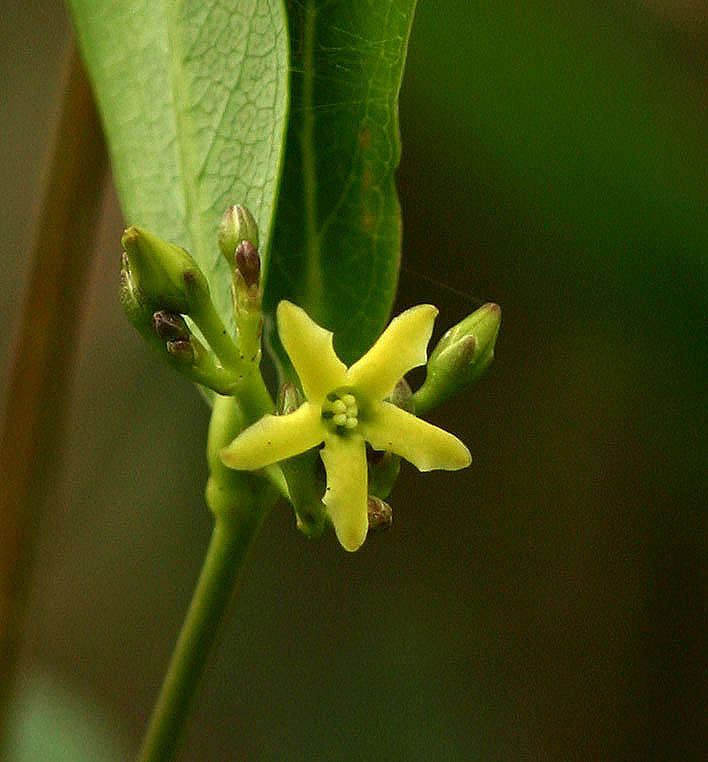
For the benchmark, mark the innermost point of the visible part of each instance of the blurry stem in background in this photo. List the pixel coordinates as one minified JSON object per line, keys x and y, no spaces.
{"x":46,"y":346}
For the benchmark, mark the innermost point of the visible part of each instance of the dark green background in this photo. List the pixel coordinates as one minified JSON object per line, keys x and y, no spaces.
{"x":546,"y":604}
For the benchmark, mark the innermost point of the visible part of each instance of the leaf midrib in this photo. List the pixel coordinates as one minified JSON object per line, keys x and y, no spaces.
{"x":315,"y":284}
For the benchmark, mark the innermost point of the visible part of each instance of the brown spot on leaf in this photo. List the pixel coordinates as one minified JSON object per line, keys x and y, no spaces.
{"x":367,"y":220}
{"x":365,"y":138}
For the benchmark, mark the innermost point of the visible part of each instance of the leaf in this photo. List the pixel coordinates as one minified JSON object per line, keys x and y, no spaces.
{"x":335,"y":249}
{"x":193,"y":97}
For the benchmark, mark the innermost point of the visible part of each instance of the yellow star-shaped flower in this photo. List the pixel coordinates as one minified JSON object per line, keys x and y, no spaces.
{"x":345,"y":408}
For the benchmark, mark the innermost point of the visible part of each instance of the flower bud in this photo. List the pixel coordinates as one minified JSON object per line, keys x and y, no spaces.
{"x":402,"y":396}
{"x":181,"y":350}
{"x":163,"y":275}
{"x":170,"y":325}
{"x":289,"y":399}
{"x":248,"y":263}
{"x":237,"y":225}
{"x":380,"y":515}
{"x":460,"y":357}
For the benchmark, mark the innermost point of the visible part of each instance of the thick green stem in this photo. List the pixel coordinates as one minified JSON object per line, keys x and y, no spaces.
{"x":240,"y":501}
{"x":230,"y":540}
{"x":254,"y":398}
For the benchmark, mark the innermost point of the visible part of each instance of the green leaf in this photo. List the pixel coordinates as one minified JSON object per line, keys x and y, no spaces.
{"x":193,"y":96}
{"x":336,"y":243}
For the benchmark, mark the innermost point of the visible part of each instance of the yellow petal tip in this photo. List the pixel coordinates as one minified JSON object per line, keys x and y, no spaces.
{"x":233,"y":458}
{"x":352,"y":539}
{"x":458,"y":457}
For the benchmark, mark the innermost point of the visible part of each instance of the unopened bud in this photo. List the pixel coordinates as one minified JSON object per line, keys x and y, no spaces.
{"x":402,"y":396}
{"x":460,"y":357}
{"x":380,"y":515}
{"x":170,"y":325}
{"x":248,"y":263}
{"x":237,"y":225}
{"x":181,"y":350}
{"x":163,"y":275}
{"x":289,"y":399}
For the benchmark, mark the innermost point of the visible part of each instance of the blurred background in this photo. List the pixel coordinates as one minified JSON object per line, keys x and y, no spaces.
{"x":549,"y":603}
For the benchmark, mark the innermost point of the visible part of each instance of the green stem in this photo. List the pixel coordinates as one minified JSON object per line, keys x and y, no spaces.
{"x":424,"y":400}
{"x":254,"y":398}
{"x":218,"y":338}
{"x":240,"y":501}
{"x":230,"y":540}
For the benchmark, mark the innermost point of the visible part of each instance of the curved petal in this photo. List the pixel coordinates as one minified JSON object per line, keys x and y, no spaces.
{"x":426,"y":446}
{"x":347,"y":488}
{"x":274,"y":438}
{"x":402,"y":346}
{"x":311,"y":352}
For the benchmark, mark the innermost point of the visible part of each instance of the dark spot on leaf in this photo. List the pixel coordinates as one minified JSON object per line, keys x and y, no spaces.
{"x":367,"y":220}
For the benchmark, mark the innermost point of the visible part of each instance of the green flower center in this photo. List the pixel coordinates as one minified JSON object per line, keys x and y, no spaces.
{"x":341,"y":411}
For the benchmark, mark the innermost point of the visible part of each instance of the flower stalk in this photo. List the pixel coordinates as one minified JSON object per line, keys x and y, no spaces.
{"x":240,"y":503}
{"x":230,"y":541}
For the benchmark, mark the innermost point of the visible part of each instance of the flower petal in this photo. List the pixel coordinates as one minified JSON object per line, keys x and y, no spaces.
{"x":402,"y":346}
{"x":426,"y":446}
{"x":274,"y":438}
{"x":344,"y":459}
{"x":311,"y":352}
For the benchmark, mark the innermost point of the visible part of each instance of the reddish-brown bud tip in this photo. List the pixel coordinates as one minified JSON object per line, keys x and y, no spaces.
{"x":170,"y":325}
{"x":181,"y":349}
{"x":380,"y":515}
{"x":248,"y":262}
